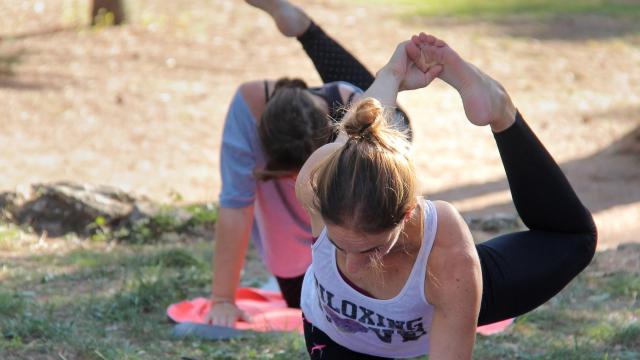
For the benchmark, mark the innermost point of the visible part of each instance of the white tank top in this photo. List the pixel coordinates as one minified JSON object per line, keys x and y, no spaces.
{"x":396,"y":328}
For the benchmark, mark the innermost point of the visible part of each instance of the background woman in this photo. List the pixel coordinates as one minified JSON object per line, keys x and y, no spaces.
{"x":270,"y":130}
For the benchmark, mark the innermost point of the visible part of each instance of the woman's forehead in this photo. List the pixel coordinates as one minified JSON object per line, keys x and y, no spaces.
{"x":356,"y":241}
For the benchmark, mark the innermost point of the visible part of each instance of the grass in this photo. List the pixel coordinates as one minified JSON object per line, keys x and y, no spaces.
{"x":170,"y":220}
{"x":107,"y":301}
{"x":9,"y":235}
{"x":496,"y":8}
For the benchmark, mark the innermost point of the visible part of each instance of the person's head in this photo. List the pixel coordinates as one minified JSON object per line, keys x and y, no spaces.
{"x":366,"y":190}
{"x":290,"y":129}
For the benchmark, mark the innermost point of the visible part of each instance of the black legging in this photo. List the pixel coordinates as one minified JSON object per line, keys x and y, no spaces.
{"x":291,"y":288}
{"x":335,"y":63}
{"x":522,"y":270}
{"x":332,"y":61}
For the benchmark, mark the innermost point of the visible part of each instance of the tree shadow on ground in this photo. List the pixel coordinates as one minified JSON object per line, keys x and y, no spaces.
{"x":602,"y":181}
{"x":570,"y":27}
{"x":22,"y":85}
{"x":12,"y":79}
{"x":37,"y":33}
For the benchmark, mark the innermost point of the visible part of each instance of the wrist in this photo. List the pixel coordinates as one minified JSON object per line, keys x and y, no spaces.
{"x":385,"y":87}
{"x":389,"y":73}
{"x":219,"y":299}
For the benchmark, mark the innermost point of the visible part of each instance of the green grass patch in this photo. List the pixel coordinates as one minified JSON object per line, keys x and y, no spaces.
{"x":11,"y":303}
{"x":170,"y":220}
{"x":23,"y":320}
{"x":203,"y":214}
{"x":622,"y":285}
{"x":176,"y":258}
{"x":628,"y":336}
{"x":108,"y":301}
{"x":10,"y":235}
{"x":496,"y":8}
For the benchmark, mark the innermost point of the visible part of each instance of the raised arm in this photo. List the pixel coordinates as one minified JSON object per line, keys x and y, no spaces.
{"x":400,"y":73}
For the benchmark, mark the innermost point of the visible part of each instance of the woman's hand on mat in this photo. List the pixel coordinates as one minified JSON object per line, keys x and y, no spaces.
{"x":408,"y":66}
{"x":226,"y":314}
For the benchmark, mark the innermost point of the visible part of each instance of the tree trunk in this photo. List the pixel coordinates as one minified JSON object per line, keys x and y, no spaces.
{"x":100,"y":9}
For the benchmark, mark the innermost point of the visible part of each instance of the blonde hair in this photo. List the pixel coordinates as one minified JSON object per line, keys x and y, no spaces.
{"x":368,"y":185}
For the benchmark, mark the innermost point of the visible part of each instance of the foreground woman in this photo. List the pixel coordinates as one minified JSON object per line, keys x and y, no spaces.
{"x":395,"y":275}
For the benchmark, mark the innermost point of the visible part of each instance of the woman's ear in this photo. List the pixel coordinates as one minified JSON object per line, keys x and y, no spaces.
{"x":407,"y":214}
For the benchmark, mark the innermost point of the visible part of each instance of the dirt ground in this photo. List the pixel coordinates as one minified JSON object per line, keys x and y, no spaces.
{"x":141,"y":107}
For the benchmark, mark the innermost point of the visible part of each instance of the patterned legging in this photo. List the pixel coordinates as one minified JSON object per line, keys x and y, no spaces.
{"x":335,"y":63}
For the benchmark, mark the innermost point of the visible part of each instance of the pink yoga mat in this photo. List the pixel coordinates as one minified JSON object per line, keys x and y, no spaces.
{"x":269,"y":313}
{"x":267,"y":309}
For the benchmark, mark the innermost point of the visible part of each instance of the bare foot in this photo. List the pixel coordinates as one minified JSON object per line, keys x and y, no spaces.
{"x":290,"y":20}
{"x":485,"y":101}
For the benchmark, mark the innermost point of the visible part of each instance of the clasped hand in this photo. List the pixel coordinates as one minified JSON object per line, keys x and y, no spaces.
{"x":411,"y":66}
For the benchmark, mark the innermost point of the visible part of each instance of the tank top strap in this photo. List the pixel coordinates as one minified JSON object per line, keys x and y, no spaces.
{"x":429,"y":234}
{"x":430,"y":223}
{"x":266,"y":91}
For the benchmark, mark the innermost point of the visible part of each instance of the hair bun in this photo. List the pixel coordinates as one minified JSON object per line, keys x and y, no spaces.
{"x":365,"y":114}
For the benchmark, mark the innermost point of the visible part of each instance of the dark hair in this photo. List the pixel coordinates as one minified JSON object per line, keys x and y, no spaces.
{"x":369,"y":184}
{"x":291,"y":128}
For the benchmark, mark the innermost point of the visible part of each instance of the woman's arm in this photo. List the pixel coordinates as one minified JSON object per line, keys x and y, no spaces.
{"x":232,"y":233}
{"x":453,"y":287}
{"x":235,"y":221}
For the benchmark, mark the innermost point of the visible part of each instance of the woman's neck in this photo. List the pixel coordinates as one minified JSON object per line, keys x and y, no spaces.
{"x":411,"y":236}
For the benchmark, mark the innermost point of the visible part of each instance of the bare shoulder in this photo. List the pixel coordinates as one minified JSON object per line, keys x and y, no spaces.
{"x":453,"y":264}
{"x":346,"y":91}
{"x":453,"y":232}
{"x":253,"y":93}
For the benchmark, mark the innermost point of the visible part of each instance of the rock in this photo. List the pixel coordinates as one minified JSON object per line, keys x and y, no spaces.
{"x":86,"y":210}
{"x":496,"y":222}
{"x":65,"y":207}
{"x":9,"y":204}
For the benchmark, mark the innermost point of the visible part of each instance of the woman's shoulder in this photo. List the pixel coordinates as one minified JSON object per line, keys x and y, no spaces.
{"x":452,"y":229}
{"x":255,"y":94}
